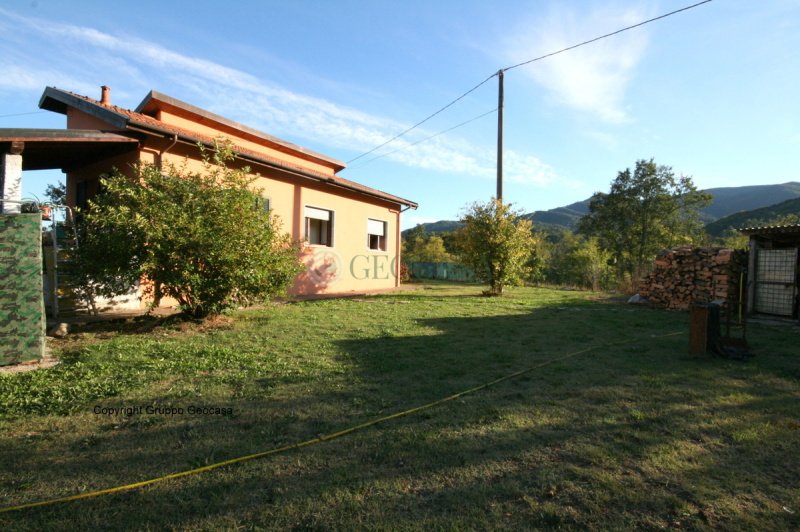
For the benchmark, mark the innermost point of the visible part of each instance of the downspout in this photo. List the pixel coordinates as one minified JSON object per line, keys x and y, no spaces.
{"x":165,"y":150}
{"x":399,"y":247}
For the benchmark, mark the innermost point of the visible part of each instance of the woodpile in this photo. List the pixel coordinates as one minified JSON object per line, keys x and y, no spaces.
{"x":688,"y":275}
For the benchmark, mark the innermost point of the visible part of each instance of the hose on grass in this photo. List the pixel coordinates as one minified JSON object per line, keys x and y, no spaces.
{"x":313,"y":441}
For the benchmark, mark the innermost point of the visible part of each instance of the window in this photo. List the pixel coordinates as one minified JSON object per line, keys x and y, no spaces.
{"x":264,"y":204}
{"x":81,"y":194}
{"x":376,"y":235}
{"x":319,"y":226}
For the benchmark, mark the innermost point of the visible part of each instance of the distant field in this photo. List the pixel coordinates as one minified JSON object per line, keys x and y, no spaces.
{"x":632,"y":434}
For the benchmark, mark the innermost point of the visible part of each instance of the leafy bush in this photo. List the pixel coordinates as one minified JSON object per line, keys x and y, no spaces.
{"x":201,"y":238}
{"x":405,"y":272}
{"x":496,"y":243}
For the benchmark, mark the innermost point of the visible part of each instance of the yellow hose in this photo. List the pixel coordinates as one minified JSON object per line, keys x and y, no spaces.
{"x":320,"y":439}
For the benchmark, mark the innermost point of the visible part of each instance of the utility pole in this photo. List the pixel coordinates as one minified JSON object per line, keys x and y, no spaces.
{"x":500,"y":136}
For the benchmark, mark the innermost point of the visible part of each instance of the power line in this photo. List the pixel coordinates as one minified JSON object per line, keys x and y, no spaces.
{"x":21,"y":114}
{"x":422,"y":121}
{"x":584,"y":43}
{"x":607,"y":35}
{"x":428,"y":138}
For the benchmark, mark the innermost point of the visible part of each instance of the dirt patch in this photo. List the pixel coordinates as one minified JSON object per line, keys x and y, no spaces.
{"x":45,"y":362}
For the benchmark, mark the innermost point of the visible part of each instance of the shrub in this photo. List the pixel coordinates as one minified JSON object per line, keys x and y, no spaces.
{"x":202,"y":238}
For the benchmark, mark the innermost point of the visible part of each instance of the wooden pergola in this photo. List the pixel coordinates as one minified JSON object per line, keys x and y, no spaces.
{"x":46,"y":149}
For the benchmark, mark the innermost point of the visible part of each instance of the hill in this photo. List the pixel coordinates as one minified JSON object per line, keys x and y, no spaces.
{"x":731,"y":200}
{"x":565,"y":217}
{"x":753,"y":217}
{"x":727,"y":201}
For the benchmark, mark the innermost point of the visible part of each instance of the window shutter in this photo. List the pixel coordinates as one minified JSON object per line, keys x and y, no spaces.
{"x":318,"y":214}
{"x":376,"y":227}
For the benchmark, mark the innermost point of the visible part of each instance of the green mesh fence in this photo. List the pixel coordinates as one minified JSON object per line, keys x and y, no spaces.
{"x":449,"y":271}
{"x":22,"y":321}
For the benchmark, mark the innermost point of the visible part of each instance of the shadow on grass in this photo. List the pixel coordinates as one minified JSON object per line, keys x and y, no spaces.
{"x":630,"y":435}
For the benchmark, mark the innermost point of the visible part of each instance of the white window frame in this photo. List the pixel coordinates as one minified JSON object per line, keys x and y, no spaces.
{"x":330,"y":218}
{"x":382,"y":235}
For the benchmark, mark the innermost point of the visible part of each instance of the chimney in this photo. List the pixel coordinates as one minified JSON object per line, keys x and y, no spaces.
{"x":105,"y":97}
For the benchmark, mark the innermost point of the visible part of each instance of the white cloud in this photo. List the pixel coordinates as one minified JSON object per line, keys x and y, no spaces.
{"x":592,"y":78}
{"x":133,"y":62}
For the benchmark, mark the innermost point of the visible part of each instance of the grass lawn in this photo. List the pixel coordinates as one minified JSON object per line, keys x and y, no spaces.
{"x":637,"y":434}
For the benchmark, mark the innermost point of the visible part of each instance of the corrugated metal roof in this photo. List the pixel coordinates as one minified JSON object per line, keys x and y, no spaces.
{"x":771,"y":229}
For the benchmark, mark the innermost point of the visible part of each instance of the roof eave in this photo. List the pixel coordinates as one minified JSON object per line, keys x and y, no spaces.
{"x":145,"y":107}
{"x":273,"y":164}
{"x":771,"y":229}
{"x":58,"y":101}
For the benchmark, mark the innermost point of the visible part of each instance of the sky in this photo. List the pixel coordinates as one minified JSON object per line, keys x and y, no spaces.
{"x":711,"y":92}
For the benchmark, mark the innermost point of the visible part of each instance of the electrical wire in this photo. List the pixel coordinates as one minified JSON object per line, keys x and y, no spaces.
{"x":473,"y":89}
{"x":427,"y":138}
{"x":21,"y":114}
{"x":584,"y":43}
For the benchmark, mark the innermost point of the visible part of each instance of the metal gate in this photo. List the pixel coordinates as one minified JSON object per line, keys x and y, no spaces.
{"x":776,"y":286}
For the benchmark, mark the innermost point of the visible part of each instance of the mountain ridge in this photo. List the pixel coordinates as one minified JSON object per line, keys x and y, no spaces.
{"x":727,"y":201}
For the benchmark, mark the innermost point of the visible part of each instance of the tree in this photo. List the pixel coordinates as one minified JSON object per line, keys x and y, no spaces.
{"x":202,"y":238}
{"x":419,"y":246}
{"x":56,"y":194}
{"x":579,"y":261}
{"x":646,"y":210}
{"x":496,"y":243}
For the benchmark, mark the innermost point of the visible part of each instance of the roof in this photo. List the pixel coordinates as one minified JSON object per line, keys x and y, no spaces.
{"x":780,"y":235}
{"x":772,"y":230}
{"x":59,"y":100}
{"x":63,"y":148}
{"x":155,"y":101}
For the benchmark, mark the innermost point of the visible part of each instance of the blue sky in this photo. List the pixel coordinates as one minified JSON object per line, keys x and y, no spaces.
{"x":712,"y":92}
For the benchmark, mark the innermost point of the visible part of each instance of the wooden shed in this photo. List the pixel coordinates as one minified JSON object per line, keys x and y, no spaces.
{"x":773,"y":279}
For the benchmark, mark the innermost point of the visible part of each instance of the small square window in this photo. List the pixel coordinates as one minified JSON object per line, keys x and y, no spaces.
{"x":376,"y":235}
{"x":264,"y":204}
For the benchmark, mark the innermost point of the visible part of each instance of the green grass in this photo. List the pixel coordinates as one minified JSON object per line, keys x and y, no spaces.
{"x":633,"y":434}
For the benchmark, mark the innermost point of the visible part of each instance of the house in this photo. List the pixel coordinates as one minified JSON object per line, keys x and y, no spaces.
{"x":351,"y":231}
{"x":773,"y":279}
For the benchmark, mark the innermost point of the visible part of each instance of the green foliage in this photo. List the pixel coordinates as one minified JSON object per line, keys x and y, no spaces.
{"x":405,"y":272}
{"x":198,"y":237}
{"x":419,"y":246}
{"x":732,"y":238}
{"x":580,"y":261}
{"x":496,"y":243}
{"x":645,"y":211}
{"x":57,"y":193}
{"x":784,"y":213}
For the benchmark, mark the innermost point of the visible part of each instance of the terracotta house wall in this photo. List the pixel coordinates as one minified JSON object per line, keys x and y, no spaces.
{"x":210,"y":129}
{"x":357,"y":267}
{"x":79,"y":120}
{"x":347,"y":265}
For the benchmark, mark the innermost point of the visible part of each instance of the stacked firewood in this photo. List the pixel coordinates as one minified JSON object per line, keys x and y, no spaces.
{"x":691,"y":275}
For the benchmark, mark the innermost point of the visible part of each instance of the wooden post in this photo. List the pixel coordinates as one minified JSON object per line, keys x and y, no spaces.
{"x":500,"y":99}
{"x":751,"y":274}
{"x":698,"y":330}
